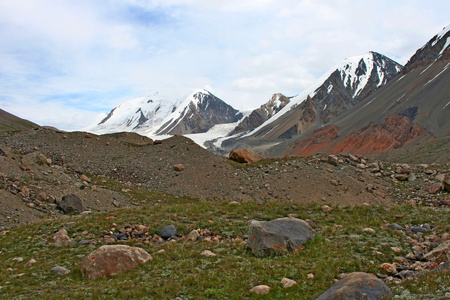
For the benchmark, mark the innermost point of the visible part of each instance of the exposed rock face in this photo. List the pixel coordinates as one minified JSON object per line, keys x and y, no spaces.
{"x":262,"y":114}
{"x":202,"y":113}
{"x":111,"y":260}
{"x":358,"y":285}
{"x":319,"y":140}
{"x":394,"y":132}
{"x":244,"y":156}
{"x":431,"y":51}
{"x":71,"y":204}
{"x":278,"y":236}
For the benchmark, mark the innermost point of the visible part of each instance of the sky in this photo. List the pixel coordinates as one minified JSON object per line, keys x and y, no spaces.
{"x":62,"y":63}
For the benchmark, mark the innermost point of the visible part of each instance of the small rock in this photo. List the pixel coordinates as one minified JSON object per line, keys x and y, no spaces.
{"x":85,"y":178}
{"x":411,"y":177}
{"x":365,"y":204}
{"x":168,"y":231}
{"x":417,"y":229}
{"x":287,"y":283}
{"x":30,"y":263}
{"x":25,"y":191}
{"x":18,"y":259}
{"x":41,"y":196}
{"x":260,"y":289}
{"x":390,"y":268}
{"x":401,"y":177}
{"x":116,"y":203}
{"x":440,"y":177}
{"x":333,"y":159}
{"x":193,"y":235}
{"x":396,"y":249}
{"x":61,"y":271}
{"x":178,"y":167}
{"x":369,"y":230}
{"x":326,"y":208}
{"x":234,"y":203}
{"x":396,"y":226}
{"x":310,"y":276}
{"x":61,"y":238}
{"x":208,"y":253}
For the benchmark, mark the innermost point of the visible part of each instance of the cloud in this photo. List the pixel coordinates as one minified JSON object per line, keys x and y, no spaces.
{"x":74,"y":59}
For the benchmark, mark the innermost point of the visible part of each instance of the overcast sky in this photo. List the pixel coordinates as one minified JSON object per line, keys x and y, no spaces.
{"x":63,"y":62}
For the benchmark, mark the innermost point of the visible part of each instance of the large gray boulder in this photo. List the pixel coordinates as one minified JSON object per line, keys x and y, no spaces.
{"x":111,"y":260}
{"x":71,"y":204}
{"x":358,"y":286}
{"x":278,"y":236}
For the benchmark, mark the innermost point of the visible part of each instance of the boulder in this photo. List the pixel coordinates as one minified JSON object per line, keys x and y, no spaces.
{"x":71,"y":204}
{"x":358,"y":285}
{"x":434,"y":188}
{"x":278,"y":236}
{"x":441,"y":253}
{"x":61,"y":238}
{"x":110,"y":260}
{"x":244,"y":156}
{"x":446,"y":182}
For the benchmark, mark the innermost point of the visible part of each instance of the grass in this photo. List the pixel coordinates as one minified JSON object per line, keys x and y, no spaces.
{"x":339,"y":246}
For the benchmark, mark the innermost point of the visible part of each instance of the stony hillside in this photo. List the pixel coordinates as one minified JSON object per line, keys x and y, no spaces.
{"x":10,"y":122}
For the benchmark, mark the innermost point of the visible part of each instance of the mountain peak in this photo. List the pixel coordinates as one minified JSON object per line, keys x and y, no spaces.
{"x":437,"y":48}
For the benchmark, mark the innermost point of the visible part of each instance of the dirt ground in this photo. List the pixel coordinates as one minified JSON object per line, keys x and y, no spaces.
{"x":134,"y":159}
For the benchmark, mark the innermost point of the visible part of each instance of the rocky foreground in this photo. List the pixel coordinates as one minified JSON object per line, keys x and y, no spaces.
{"x":189,"y":197}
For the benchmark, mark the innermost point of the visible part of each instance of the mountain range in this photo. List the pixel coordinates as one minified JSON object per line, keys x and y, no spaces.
{"x":364,"y":105}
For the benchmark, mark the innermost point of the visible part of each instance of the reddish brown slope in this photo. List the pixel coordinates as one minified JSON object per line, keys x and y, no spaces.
{"x":393,"y":133}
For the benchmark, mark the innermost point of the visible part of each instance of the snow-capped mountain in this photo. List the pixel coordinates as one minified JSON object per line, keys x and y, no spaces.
{"x":338,"y":90}
{"x":436,"y":48}
{"x":156,"y":115}
{"x":411,"y":109}
{"x":262,"y":114}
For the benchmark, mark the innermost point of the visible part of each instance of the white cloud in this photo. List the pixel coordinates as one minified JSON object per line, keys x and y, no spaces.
{"x":76,"y":58}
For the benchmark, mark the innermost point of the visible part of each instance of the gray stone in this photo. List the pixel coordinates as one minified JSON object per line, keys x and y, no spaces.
{"x":278,"y":236}
{"x":71,"y":204}
{"x":396,"y":226}
{"x":417,"y":229}
{"x":58,"y":270}
{"x":358,"y":285}
{"x":168,"y":231}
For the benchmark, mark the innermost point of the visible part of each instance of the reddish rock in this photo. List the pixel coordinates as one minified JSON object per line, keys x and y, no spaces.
{"x":85,"y":178}
{"x":110,"y":260}
{"x":178,"y":167}
{"x":41,"y":196}
{"x":434,"y":188}
{"x":446,"y":182}
{"x":244,"y":156}
{"x":25,"y":191}
{"x":401,"y":177}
